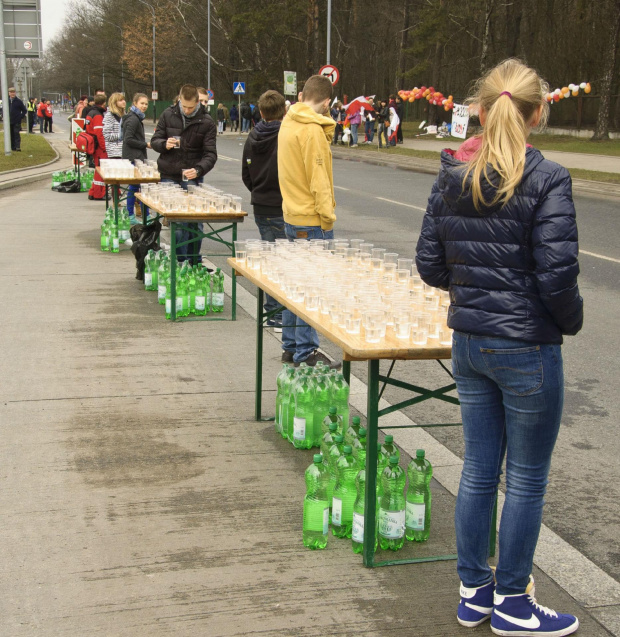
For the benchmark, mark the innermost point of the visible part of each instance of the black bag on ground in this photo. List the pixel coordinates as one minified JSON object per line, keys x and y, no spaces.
{"x":72,"y":185}
{"x":144,"y":239}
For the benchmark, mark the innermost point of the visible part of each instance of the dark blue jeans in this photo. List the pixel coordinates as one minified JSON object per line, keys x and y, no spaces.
{"x":299,"y":337}
{"x":271,"y":228}
{"x":369,"y":129}
{"x":189,"y":251}
{"x":512,"y":394}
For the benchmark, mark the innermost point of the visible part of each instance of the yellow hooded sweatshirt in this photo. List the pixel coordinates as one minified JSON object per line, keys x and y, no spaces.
{"x":305,"y":168}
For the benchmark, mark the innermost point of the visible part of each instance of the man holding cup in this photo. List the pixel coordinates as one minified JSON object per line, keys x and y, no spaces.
{"x":185,"y":140}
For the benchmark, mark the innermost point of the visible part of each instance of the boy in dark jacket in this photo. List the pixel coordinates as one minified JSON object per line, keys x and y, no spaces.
{"x":259,"y":171}
{"x":189,"y":158}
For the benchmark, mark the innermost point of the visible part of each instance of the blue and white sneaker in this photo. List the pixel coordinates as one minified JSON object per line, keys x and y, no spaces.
{"x":521,"y":616}
{"x":476,"y":605}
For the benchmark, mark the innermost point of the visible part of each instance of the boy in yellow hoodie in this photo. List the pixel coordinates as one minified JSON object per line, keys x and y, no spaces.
{"x":307,"y":187}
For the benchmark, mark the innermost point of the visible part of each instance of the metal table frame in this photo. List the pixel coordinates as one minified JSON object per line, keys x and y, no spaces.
{"x":373,"y":412}
{"x":213,"y":235}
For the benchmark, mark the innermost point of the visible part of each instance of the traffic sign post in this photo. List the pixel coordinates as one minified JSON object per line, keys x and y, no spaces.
{"x":239,"y":88}
{"x":331,"y":73}
{"x":154,"y":95}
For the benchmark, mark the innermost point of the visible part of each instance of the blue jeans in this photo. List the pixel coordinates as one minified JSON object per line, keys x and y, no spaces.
{"x":130,"y":203}
{"x":189,"y":251}
{"x":354,"y":134}
{"x":299,"y":337}
{"x":245,"y":125}
{"x":271,"y":228}
{"x":369,"y":128}
{"x":511,"y":394}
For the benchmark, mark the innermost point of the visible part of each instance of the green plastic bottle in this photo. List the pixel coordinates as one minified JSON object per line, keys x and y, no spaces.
{"x":162,"y":276}
{"x":285,"y":400}
{"x":200,"y":295}
{"x":321,"y":404}
{"x":387,"y":449}
{"x":328,"y":439}
{"x":340,"y":397}
{"x":418,"y":513}
{"x":281,"y":388}
{"x":344,"y":494}
{"x":114,"y":242}
{"x":303,"y":423}
{"x":105,"y":237}
{"x":392,"y":506}
{"x":359,"y":507}
{"x":316,"y":509}
{"x":359,"y":448}
{"x":298,"y":373}
{"x":335,"y":450}
{"x":191,"y":287}
{"x":217,"y":294}
{"x":168,"y":300}
{"x":353,"y":431}
{"x":150,"y":271}
{"x":332,"y":416}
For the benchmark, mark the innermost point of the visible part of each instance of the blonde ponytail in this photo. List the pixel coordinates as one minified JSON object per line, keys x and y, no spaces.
{"x":510,"y":94}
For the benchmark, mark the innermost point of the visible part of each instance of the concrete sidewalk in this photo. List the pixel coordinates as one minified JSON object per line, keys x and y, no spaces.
{"x":140,"y":497}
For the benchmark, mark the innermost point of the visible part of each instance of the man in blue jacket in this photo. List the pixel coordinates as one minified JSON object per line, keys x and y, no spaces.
{"x":17,"y":112}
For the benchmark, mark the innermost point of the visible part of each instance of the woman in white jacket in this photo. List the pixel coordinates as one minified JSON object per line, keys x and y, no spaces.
{"x":112,"y":126}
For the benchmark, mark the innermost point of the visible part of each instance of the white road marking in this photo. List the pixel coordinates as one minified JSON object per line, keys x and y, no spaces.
{"x":225,"y":158}
{"x":340,"y":188}
{"x":599,"y":256}
{"x":400,"y":203}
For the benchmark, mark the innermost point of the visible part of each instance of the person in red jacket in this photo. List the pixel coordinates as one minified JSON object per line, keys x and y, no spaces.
{"x":94,"y":126}
{"x":41,"y":115}
{"x":49,"y":116}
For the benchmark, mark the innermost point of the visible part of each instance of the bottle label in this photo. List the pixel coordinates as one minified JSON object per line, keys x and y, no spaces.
{"x":106,"y":240}
{"x":299,"y":428}
{"x":148,"y":279}
{"x":161,"y":292}
{"x":200,"y":303}
{"x":115,"y":243}
{"x":179,"y":303}
{"x":217,"y":299}
{"x":336,"y":511}
{"x":416,"y":512}
{"x":325,"y":520}
{"x":358,"y":528}
{"x":392,"y":524}
{"x":168,"y":306}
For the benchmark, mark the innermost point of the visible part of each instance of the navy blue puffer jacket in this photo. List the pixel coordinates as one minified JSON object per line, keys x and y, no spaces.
{"x":511,"y":270}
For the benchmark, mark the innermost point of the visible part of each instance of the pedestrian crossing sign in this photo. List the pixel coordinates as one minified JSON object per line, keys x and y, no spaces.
{"x":239,"y":88}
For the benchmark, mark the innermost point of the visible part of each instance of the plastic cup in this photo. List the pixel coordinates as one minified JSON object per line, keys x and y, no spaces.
{"x":402,"y":328}
{"x":420,"y":336}
{"x":372,"y":334}
{"x":405,"y":264}
{"x":391,"y":257}
{"x":377,"y":253}
{"x":353,"y":325}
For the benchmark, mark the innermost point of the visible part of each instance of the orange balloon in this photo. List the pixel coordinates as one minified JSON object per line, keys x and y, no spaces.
{"x":446,"y":108}
{"x":565,"y":90}
{"x":411,"y":98}
{"x":575,"y":93}
{"x":588,"y":88}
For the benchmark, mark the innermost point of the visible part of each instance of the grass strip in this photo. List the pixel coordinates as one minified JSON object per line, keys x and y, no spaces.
{"x":35,"y":150}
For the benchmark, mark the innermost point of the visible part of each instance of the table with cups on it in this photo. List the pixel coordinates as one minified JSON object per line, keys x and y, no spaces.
{"x":197,"y":204}
{"x":374,"y":306}
{"x":121,"y":172}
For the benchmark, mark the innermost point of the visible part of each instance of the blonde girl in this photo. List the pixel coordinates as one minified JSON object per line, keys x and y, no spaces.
{"x":500,"y":234}
{"x":112,"y":125}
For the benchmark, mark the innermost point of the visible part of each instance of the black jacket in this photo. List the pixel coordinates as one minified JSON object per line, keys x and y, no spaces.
{"x":134,"y":142}
{"x":246,"y":110}
{"x":259,"y":166}
{"x":511,"y":270}
{"x":197,"y":143}
{"x":17,"y":110}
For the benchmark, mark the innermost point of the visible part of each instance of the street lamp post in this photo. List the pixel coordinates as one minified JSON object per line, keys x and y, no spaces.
{"x":5,"y":85}
{"x":209,"y":44}
{"x":329,"y":31}
{"x":152,"y":8}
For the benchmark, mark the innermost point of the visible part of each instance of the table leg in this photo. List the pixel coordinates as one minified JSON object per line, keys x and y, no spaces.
{"x":346,"y":371}
{"x":114,"y":201}
{"x":173,"y":271}
{"x":234,"y":275}
{"x":370,"y":498}
{"x":259,"y":355}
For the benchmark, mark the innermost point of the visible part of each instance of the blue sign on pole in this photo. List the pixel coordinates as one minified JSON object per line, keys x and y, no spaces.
{"x":210,"y":94}
{"x":239,"y":88}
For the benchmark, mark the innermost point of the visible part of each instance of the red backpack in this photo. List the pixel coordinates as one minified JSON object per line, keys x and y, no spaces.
{"x":86,"y":143}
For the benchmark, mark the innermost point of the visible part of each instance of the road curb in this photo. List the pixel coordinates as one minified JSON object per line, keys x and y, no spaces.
{"x":431,"y":167}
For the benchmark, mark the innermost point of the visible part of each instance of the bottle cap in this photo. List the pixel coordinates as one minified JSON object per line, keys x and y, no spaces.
{"x":362,"y":432}
{"x":393,"y":460}
{"x":419,"y":453}
{"x":333,"y":410}
{"x":333,"y":426}
{"x":347,"y":449}
{"x":339,"y":438}
{"x":356,"y":420}
{"x":389,"y":438}
{"x":318,"y":458}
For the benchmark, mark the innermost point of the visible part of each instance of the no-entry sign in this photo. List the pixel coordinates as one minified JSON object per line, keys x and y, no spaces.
{"x":331,"y":73}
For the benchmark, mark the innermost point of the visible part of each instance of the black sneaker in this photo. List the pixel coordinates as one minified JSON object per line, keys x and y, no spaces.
{"x":315,"y":357}
{"x":277,"y":325}
{"x":287,"y":356}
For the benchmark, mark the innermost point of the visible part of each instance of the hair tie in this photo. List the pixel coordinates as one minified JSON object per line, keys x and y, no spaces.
{"x":506,"y":93}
